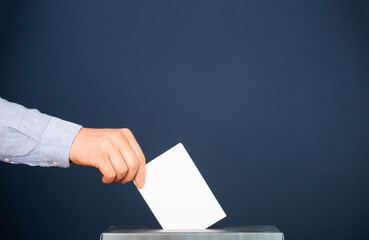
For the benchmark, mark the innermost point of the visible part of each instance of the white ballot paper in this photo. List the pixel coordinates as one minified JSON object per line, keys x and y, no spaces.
{"x":177,"y":194}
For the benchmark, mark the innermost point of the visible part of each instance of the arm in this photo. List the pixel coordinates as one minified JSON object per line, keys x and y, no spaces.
{"x":36,"y":139}
{"x":30,"y":137}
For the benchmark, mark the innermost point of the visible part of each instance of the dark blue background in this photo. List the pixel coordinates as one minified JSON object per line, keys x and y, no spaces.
{"x":270,"y":98}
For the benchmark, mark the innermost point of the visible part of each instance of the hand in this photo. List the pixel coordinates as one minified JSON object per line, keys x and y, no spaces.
{"x":115,"y":152}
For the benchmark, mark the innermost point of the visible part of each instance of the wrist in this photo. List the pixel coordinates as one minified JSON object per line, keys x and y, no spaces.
{"x":74,"y":149}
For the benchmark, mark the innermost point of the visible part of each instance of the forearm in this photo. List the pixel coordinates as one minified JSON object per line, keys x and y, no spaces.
{"x":33,"y":138}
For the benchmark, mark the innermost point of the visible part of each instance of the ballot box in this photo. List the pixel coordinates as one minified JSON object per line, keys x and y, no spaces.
{"x":218,"y":233}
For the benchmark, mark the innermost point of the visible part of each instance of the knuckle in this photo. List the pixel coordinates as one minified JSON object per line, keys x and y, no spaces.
{"x":130,"y":178}
{"x":133,"y":166}
{"x":116,"y":134}
{"x":124,"y":181}
{"x":106,"y":143}
{"x":142,"y":158}
{"x":111,"y":175}
{"x":126,"y":131}
{"x":122,"y":171}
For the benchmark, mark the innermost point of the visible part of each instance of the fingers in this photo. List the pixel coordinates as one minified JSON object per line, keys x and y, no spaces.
{"x":140,"y":176}
{"x":106,"y":168}
{"x":122,"y":159}
{"x":113,"y":167}
{"x":134,"y":144}
{"x":131,"y":160}
{"x":119,"y":165}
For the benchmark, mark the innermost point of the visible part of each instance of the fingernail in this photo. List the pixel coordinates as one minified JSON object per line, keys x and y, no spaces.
{"x":140,"y":185}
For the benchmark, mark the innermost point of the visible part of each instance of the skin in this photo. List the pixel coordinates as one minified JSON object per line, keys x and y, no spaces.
{"x":115,"y":152}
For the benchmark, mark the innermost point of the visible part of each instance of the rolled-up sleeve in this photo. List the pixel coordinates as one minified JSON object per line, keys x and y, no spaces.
{"x":33,"y":138}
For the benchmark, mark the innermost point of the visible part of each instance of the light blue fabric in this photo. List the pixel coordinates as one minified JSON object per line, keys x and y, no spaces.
{"x":33,"y":138}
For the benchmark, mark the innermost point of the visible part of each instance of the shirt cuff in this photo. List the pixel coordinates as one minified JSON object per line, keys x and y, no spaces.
{"x":56,"y":142}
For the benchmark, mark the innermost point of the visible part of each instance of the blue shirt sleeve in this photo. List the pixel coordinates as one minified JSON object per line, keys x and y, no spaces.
{"x":33,"y":138}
